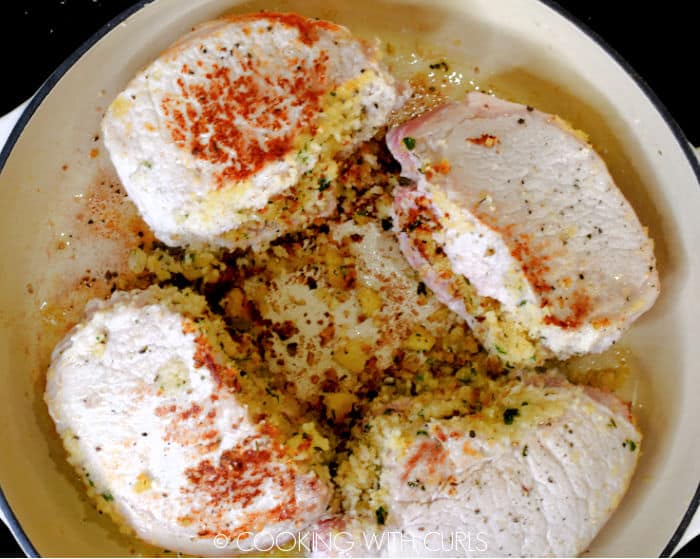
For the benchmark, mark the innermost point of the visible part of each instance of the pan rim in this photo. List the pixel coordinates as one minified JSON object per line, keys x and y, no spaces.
{"x":43,"y":91}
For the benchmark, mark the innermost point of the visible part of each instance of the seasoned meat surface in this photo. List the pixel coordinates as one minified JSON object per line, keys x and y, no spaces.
{"x":172,"y":438}
{"x":519,"y":205}
{"x":536,"y":473}
{"x":235,"y":114}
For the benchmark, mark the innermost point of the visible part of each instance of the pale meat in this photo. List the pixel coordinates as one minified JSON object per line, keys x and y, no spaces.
{"x":515,"y":222}
{"x":538,"y":473}
{"x":170,"y":436}
{"x":230,"y":137}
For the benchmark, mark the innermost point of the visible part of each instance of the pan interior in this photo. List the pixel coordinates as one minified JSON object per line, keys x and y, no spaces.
{"x":58,"y":178}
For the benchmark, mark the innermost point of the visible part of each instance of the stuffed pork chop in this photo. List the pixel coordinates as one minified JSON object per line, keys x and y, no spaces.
{"x":230,"y":137}
{"x":516,"y":224}
{"x":533,"y":467}
{"x":174,"y":439}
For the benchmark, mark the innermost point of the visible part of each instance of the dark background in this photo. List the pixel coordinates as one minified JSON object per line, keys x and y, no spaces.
{"x":656,"y":39}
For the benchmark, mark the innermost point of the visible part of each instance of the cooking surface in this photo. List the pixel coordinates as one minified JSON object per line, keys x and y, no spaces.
{"x":60,"y":27}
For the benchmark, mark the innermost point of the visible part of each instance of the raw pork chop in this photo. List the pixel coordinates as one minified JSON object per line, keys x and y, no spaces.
{"x":535,"y":472}
{"x":229,"y":138}
{"x":171,"y":437}
{"x":516,"y":224}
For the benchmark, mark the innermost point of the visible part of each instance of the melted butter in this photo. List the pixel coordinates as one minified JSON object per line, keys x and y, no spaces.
{"x":609,"y":370}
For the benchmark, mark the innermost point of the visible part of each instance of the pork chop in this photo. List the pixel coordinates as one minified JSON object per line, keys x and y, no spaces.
{"x":230,"y":137}
{"x":516,"y":224}
{"x":171,"y":436}
{"x":537,"y":471}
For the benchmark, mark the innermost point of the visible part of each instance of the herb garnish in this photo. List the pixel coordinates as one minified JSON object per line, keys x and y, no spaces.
{"x":509,"y":414}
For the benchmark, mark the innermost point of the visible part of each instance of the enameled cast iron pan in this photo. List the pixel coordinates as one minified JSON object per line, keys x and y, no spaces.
{"x":53,"y":165}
